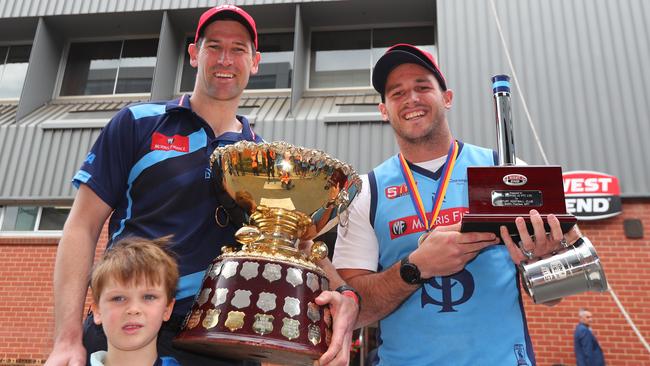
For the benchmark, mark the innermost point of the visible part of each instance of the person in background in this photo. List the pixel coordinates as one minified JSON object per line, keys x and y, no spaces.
{"x":585,"y":344}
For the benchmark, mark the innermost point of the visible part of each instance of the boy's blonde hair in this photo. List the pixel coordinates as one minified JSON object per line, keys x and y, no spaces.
{"x":137,"y":259}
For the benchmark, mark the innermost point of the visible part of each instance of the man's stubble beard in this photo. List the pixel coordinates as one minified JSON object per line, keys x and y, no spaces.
{"x":433,"y":134}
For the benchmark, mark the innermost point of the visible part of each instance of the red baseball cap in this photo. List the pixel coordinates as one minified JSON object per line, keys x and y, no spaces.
{"x":403,"y":53}
{"x":230,"y":12}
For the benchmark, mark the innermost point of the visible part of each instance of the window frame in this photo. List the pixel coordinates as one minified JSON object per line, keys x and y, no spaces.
{"x":17,"y":43}
{"x":64,"y":62}
{"x":371,"y":27}
{"x":34,"y":232}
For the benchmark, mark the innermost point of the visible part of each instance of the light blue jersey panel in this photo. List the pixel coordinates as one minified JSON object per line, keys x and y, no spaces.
{"x":474,"y":317}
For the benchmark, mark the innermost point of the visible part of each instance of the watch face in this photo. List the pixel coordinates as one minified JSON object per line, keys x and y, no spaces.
{"x":410,"y":273}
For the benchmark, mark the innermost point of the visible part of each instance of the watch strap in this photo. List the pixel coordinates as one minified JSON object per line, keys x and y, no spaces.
{"x":349,"y":291}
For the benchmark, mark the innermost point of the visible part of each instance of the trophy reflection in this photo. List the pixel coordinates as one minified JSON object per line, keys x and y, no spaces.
{"x":258,"y":302}
{"x":499,"y":194}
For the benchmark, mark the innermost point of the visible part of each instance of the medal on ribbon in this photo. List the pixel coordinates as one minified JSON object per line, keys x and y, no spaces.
{"x":416,"y":199}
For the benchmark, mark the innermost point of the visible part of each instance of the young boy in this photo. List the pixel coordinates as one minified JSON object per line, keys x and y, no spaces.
{"x":133,"y":290}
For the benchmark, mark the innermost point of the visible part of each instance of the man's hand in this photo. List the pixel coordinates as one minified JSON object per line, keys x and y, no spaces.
{"x":537,"y":246}
{"x":446,"y":251}
{"x":344,"y":312}
{"x":67,"y":354}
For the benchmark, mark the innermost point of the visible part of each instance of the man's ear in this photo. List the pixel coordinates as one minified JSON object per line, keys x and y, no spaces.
{"x":256,"y":63}
{"x":448,"y":97}
{"x":193,"y":50}
{"x":97,"y":315}
{"x":383,"y":111}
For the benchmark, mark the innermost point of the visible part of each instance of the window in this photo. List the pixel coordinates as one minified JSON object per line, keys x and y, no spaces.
{"x":114,"y":67}
{"x":340,"y":58}
{"x":52,"y":218}
{"x":13,"y":68}
{"x":276,"y":64}
{"x":345,"y":58}
{"x":32,"y":218}
{"x":274,"y":70}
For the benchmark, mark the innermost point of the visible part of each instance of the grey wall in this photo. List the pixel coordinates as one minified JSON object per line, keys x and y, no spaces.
{"x":167,"y":60}
{"x":301,"y":56}
{"x":581,"y":68}
{"x":41,"y":71}
{"x":23,"y":8}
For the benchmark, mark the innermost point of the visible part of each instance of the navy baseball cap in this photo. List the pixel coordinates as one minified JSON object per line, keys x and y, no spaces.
{"x":230,"y":12}
{"x":403,"y":53}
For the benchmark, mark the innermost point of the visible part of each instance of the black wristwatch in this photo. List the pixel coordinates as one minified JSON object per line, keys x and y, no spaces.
{"x":410,"y":272}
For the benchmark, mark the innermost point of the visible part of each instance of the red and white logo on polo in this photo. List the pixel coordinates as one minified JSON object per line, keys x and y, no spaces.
{"x":176,"y":143}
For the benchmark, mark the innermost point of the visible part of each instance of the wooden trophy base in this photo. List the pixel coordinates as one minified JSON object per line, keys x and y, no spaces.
{"x":260,"y":306}
{"x":500,"y":194}
{"x":248,"y":347}
{"x":492,"y":223}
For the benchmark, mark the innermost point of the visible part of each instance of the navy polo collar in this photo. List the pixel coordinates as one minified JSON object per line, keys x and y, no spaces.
{"x":183,"y":103}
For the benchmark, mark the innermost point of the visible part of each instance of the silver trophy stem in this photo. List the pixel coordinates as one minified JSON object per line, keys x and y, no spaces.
{"x":503,"y":113}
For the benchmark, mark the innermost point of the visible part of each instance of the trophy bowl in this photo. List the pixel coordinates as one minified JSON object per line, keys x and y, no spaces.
{"x":258,"y":301}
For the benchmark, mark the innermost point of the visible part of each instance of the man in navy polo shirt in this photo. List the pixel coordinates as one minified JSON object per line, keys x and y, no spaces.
{"x":149,"y":171}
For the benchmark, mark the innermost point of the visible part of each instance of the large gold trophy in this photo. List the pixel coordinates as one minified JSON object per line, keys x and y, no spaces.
{"x":257,"y":302}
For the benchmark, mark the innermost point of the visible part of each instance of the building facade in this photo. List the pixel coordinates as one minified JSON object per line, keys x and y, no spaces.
{"x":580,"y":100}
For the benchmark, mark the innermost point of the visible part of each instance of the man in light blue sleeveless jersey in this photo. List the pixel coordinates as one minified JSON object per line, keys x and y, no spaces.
{"x":453,"y":299}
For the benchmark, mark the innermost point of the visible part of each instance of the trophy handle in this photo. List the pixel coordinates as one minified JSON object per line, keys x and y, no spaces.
{"x":248,"y":235}
{"x":343,"y":200}
{"x":318,"y":251}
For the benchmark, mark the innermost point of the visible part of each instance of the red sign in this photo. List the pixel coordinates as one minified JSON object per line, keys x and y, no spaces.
{"x":412,"y":224}
{"x":592,"y":195}
{"x":176,"y":143}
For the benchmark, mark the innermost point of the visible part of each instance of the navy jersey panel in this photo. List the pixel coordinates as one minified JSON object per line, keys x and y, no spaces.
{"x":117,"y":140}
{"x":151,"y":165}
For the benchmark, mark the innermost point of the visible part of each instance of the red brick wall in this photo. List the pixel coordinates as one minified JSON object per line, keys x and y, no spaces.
{"x":26,"y":301}
{"x":26,"y":305}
